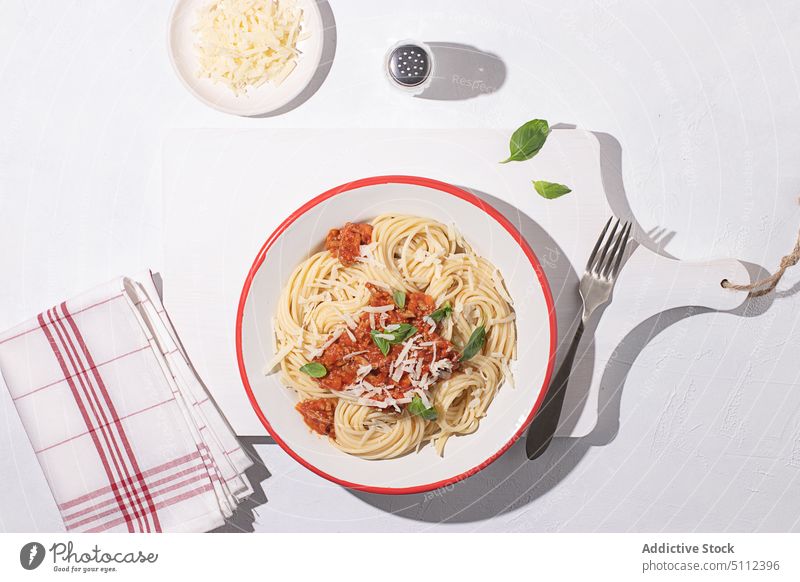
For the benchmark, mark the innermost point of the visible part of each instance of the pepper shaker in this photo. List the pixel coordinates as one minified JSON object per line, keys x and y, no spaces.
{"x":409,"y":66}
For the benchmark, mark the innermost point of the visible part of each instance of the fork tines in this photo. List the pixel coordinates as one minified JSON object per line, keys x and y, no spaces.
{"x":606,"y":263}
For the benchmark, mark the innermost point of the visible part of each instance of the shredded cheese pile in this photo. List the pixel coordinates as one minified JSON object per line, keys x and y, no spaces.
{"x":245,"y":43}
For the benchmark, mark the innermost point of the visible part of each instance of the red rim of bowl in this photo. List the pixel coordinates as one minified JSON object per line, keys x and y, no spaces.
{"x":436,"y":185}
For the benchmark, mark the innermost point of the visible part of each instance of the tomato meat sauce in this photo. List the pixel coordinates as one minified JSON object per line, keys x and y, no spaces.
{"x":318,"y":414}
{"x":345,"y":243}
{"x":344,"y":357}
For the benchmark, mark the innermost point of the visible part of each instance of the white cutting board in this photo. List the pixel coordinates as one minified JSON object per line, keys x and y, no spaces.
{"x":226,"y":190}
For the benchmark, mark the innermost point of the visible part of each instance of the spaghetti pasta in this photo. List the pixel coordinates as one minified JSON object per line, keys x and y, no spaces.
{"x":405,"y":326}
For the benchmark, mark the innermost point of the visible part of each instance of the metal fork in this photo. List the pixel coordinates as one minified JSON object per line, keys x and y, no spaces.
{"x":595,"y":290}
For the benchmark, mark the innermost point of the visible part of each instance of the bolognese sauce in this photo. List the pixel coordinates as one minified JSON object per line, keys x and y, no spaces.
{"x":318,"y":414}
{"x":345,"y":243}
{"x":345,"y":357}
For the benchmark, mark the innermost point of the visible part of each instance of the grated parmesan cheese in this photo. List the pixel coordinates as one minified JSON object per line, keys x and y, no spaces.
{"x":316,"y":352}
{"x":506,"y":369}
{"x":332,"y":339}
{"x":475,"y":402}
{"x":424,"y":397}
{"x":501,"y":288}
{"x":398,"y":363}
{"x":277,"y":358}
{"x":362,"y":372}
{"x":246,"y":43}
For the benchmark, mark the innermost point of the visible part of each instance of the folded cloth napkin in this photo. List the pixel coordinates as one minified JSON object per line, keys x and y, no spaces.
{"x":128,"y":437}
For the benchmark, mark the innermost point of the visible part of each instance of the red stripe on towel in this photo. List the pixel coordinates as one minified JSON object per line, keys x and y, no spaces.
{"x":117,"y":424}
{"x":149,"y":473}
{"x":92,"y":518}
{"x":101,"y":420}
{"x":100,"y":504}
{"x":84,"y":414}
{"x":159,"y":505}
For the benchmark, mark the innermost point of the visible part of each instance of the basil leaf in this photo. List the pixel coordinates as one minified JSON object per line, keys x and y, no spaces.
{"x":382,"y":343}
{"x":417,"y":408}
{"x":314,"y":369}
{"x":441,"y":313}
{"x":402,"y":333}
{"x":399,"y":335}
{"x":527,"y":140}
{"x":399,"y":298}
{"x":475,"y":343}
{"x":550,"y":190}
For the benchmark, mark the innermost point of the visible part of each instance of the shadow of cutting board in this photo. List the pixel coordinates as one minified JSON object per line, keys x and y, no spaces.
{"x":226,"y":190}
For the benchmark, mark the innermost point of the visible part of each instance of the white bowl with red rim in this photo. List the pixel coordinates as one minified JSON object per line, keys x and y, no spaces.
{"x":492,"y":236}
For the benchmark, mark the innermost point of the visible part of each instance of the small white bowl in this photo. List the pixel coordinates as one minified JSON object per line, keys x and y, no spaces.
{"x":258,"y":101}
{"x":493,"y":237}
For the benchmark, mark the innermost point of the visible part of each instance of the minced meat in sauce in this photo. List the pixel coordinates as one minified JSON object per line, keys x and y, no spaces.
{"x":318,"y":414}
{"x":346,"y":243}
{"x":343,"y":372}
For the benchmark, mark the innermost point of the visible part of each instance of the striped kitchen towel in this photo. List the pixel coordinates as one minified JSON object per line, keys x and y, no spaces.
{"x":127,"y":435}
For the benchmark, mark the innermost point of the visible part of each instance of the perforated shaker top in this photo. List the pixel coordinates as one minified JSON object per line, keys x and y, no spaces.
{"x":409,"y":65}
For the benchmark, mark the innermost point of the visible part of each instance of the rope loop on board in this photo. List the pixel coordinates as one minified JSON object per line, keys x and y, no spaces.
{"x":767,"y":284}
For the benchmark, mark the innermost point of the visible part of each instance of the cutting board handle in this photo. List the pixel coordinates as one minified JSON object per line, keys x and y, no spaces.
{"x":681,"y":283}
{"x":649,"y":284}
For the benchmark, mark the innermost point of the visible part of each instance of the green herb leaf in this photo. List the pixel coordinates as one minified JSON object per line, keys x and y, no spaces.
{"x":527,"y":140}
{"x":475,"y":343}
{"x":417,"y":407}
{"x":399,"y":298}
{"x":550,"y":190}
{"x":441,"y":313}
{"x":314,"y":369}
{"x":382,"y":343}
{"x":396,"y":336}
{"x":402,"y":333}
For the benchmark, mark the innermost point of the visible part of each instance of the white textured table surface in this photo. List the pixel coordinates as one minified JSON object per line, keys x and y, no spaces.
{"x":705,"y":102}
